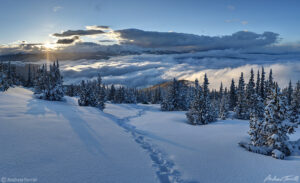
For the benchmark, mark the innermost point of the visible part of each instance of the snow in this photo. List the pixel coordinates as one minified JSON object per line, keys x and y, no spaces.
{"x":208,"y":153}
{"x":63,"y":142}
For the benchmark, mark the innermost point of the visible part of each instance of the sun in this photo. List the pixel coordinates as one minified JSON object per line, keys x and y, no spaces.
{"x":50,"y":46}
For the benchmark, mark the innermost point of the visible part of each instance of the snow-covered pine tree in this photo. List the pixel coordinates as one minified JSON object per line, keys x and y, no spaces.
{"x":255,"y":131}
{"x":84,"y":94}
{"x":100,"y":94}
{"x":120,"y":95}
{"x":290,"y":93}
{"x":112,"y":93}
{"x":172,"y":98}
{"x":241,"y":107}
{"x":257,"y":84}
{"x":156,"y":97}
{"x":29,"y":77}
{"x":232,"y":97}
{"x":270,"y":83}
{"x":40,"y":81}
{"x":4,"y":85}
{"x":208,"y":114}
{"x":56,"y":91}
{"x":130,"y":96}
{"x":195,"y":113}
{"x":294,"y":108}
{"x":276,"y":124}
{"x":262,"y":84}
{"x":223,"y":108}
{"x":182,"y":98}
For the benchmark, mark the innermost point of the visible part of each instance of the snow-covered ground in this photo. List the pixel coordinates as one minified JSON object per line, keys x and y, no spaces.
{"x":62,"y":142}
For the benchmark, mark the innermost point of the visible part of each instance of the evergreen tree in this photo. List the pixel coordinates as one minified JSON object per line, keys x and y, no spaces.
{"x":172,"y":98}
{"x":195,"y":113}
{"x":111,"y":94}
{"x":294,"y":110}
{"x":4,"y":85}
{"x":250,"y":96}
{"x":276,"y":124}
{"x":241,"y":108}
{"x":49,"y":85}
{"x":290,"y":93}
{"x":233,"y":97}
{"x":120,"y":95}
{"x":223,"y":108}
{"x":100,"y":94}
{"x":84,"y":94}
{"x":29,"y":77}
{"x":257,"y":85}
{"x":262,"y":84}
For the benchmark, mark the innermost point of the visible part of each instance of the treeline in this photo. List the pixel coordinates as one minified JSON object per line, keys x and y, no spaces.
{"x":273,"y":113}
{"x":47,"y":83}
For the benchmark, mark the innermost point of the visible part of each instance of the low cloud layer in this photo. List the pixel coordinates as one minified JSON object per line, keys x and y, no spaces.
{"x":147,"y":69}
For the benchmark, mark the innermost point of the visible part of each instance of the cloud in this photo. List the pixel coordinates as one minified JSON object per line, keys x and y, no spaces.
{"x":67,"y":40}
{"x":97,"y":27}
{"x":149,"y":69}
{"x":182,"y":41}
{"x":57,"y":8}
{"x":70,"y":33}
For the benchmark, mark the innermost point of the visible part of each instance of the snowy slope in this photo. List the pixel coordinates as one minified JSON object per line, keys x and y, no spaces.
{"x":62,"y":142}
{"x":207,"y":153}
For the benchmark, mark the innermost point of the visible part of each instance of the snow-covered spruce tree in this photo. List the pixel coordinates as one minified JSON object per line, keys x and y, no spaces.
{"x":130,"y":96}
{"x":40,"y":81}
{"x":223,"y":108}
{"x":209,"y":114}
{"x":84,"y":94}
{"x":56,"y":91}
{"x":257,"y":84}
{"x":232,"y":97}
{"x":49,"y":85}
{"x":290,"y":93}
{"x":156,"y":97}
{"x":4,"y":85}
{"x":29,"y":82}
{"x":172,"y":99}
{"x":262,"y":84}
{"x":120,"y":95}
{"x":99,"y":93}
{"x":112,"y":93}
{"x":294,"y":108}
{"x":241,"y":107}
{"x":270,"y":83}
{"x":255,"y":131}
{"x":250,"y":96}
{"x":195,"y":113}
{"x":276,"y":124}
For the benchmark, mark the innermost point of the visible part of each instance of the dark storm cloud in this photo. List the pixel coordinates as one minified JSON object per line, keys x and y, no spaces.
{"x":69,"y":33}
{"x":173,"y":40}
{"x":67,"y":41}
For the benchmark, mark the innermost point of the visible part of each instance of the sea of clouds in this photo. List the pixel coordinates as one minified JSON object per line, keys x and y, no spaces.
{"x":148,"y":69}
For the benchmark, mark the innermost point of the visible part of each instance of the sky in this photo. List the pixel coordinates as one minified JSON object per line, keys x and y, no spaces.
{"x":152,"y":41}
{"x":34,"y":20}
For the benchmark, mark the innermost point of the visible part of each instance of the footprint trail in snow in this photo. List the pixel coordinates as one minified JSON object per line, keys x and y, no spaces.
{"x":165,"y":168}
